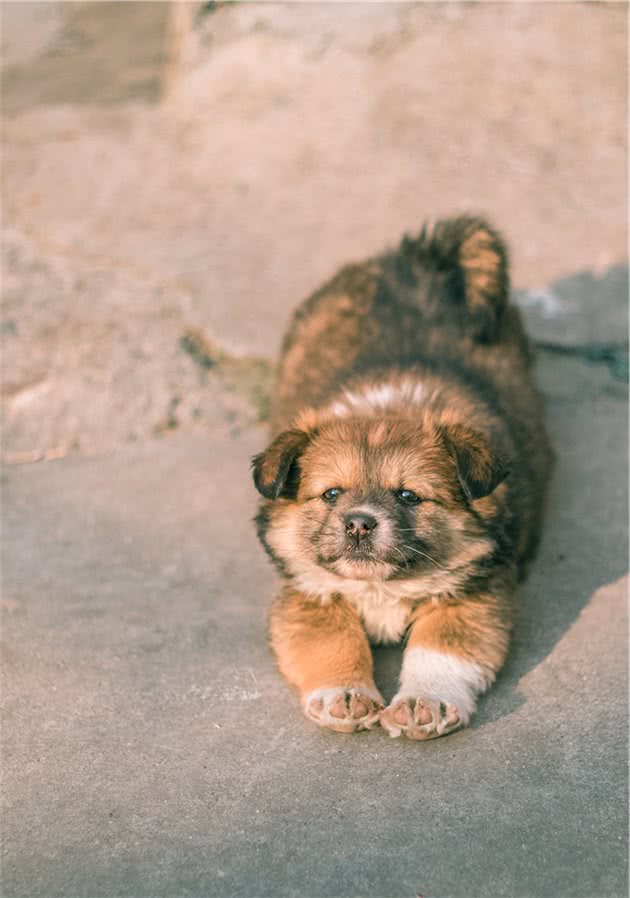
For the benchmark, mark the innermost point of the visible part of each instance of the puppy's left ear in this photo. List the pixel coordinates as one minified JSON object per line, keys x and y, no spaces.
{"x":481,"y":465}
{"x":276,"y":469}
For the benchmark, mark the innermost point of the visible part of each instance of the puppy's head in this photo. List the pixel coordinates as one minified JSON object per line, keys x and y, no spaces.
{"x":366,"y":498}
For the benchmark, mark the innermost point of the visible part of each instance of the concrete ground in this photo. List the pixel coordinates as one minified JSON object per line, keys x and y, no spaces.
{"x":172,"y":187}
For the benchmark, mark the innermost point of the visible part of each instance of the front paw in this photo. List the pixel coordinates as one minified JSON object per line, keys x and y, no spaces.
{"x":420,"y":718}
{"x":345,"y":709}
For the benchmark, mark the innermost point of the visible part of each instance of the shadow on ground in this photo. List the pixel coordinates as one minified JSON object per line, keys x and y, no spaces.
{"x":581,"y":550}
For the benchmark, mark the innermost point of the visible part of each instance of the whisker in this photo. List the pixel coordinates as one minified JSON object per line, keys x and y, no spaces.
{"x":424,"y":555}
{"x":404,"y":560}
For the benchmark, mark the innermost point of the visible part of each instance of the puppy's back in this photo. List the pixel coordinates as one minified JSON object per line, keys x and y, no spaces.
{"x":440,"y":299}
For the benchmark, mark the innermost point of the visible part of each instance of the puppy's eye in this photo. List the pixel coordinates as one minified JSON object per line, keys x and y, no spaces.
{"x":407,"y":497}
{"x":332,"y":494}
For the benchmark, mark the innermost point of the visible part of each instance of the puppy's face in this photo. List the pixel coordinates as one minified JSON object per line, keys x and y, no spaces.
{"x":366,"y":498}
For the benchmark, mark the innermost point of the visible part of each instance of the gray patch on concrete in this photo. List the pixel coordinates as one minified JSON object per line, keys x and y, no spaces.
{"x":585,"y":309}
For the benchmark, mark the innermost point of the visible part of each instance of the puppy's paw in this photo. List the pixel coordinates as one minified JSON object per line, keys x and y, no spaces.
{"x":420,"y":718}
{"x":345,"y":709}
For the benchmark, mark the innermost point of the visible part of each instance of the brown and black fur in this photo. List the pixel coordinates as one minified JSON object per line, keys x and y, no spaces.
{"x":435,"y":312}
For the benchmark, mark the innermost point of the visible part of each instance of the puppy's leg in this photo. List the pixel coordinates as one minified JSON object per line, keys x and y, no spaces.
{"x":454,"y":651}
{"x":323,"y":650}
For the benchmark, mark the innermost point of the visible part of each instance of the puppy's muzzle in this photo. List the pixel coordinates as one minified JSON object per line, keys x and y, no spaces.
{"x":360,"y":526}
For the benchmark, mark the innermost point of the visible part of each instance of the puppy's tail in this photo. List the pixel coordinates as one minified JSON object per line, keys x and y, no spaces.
{"x":468,"y":265}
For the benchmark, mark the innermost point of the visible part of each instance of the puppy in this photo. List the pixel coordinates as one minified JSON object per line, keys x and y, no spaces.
{"x":404,"y":487}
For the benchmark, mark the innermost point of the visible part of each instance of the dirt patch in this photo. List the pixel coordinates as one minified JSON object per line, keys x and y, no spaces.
{"x":94,"y":358}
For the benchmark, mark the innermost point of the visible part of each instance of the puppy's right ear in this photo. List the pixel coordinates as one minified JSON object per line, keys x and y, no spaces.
{"x":275,"y":470}
{"x":480,"y":466}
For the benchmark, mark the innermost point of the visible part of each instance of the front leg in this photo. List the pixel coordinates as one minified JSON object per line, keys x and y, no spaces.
{"x":454,"y":650}
{"x":323,"y":650}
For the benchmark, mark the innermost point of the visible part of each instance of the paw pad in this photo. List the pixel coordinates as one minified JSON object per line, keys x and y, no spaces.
{"x":345,"y":709}
{"x":419,"y":718}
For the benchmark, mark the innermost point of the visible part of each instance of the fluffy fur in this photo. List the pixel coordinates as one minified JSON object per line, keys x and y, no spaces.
{"x":404,"y":485}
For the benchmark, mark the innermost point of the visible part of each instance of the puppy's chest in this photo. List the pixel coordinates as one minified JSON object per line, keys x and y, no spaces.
{"x":384,"y":617}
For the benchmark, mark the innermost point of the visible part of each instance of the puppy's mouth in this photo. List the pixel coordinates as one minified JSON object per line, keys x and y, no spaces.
{"x":362,"y":568}
{"x":360,"y":552}
{"x":365,"y":562}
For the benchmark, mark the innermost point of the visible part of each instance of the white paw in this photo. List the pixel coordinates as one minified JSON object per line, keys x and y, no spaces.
{"x":420,"y":718}
{"x":345,"y":709}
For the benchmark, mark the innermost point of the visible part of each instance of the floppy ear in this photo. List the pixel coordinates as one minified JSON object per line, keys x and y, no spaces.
{"x":481,"y":467}
{"x":275,"y":470}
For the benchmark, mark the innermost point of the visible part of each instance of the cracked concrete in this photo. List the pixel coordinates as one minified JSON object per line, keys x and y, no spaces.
{"x":153,"y":249}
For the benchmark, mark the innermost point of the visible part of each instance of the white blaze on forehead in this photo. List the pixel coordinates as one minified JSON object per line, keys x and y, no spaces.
{"x":442,"y":677}
{"x":381,"y":396}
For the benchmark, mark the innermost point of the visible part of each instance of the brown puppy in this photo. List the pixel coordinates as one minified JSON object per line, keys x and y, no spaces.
{"x":404,"y":487}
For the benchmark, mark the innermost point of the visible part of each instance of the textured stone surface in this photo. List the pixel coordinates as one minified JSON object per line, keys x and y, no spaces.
{"x":96,"y":357}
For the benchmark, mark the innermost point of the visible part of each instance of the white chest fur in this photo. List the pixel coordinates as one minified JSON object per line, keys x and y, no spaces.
{"x":384,"y":616}
{"x":384,"y":606}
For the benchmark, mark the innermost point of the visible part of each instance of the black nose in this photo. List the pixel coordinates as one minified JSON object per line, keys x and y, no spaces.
{"x":360,"y":525}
